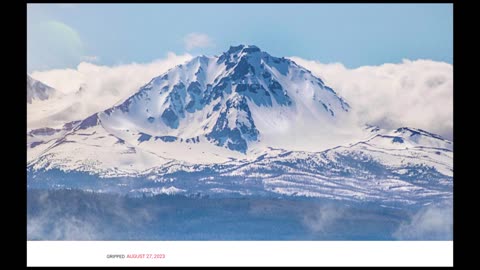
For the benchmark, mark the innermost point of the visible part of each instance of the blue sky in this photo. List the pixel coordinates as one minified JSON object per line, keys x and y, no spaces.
{"x":63,"y":35}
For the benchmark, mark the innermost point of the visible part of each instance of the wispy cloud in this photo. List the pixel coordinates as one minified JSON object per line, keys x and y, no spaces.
{"x":90,"y":58}
{"x":323,"y":219}
{"x":412,"y":93}
{"x":434,"y":222}
{"x":197,"y":40}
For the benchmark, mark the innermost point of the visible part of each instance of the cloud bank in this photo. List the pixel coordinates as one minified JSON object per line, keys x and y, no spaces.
{"x":105,"y":80}
{"x":91,"y":88}
{"x":197,"y":40}
{"x":412,"y":93}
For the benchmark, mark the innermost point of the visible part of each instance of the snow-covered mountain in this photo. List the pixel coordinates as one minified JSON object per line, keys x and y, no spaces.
{"x":231,"y":124}
{"x":37,"y":90}
{"x":229,"y":100}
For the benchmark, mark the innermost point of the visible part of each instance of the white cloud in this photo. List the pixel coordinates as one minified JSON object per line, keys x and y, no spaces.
{"x":412,"y":93}
{"x":197,"y":40}
{"x":102,"y":87}
{"x":90,"y":58}
{"x":68,"y":5}
{"x":434,"y":222}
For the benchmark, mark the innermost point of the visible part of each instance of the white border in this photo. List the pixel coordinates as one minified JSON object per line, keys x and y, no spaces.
{"x":242,"y":253}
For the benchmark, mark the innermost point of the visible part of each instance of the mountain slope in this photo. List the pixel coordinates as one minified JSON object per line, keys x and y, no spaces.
{"x":37,"y":90}
{"x":375,"y":169}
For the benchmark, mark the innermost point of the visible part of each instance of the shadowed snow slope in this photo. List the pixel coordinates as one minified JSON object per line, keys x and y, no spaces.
{"x":37,"y":91}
